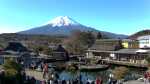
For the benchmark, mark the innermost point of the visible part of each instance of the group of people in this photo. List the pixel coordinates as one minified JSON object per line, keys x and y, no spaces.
{"x":53,"y":78}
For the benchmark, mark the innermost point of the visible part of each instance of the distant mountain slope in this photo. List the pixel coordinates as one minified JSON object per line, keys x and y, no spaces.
{"x":140,"y":33}
{"x":64,"y":26}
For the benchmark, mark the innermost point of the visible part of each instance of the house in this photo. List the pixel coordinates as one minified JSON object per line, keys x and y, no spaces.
{"x":16,"y":47}
{"x":130,"y":44}
{"x":60,"y":53}
{"x":144,"y":41}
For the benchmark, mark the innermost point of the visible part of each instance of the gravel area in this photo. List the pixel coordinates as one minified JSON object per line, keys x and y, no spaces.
{"x":134,"y":82}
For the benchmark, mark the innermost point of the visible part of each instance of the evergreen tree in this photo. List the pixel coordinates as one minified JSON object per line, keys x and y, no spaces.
{"x":99,"y":35}
{"x":12,"y":72}
{"x":119,"y":45}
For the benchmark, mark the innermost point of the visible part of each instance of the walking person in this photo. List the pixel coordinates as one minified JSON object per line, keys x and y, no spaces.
{"x":43,"y":82}
{"x":147,"y":78}
{"x":45,"y":70}
{"x":64,"y":82}
{"x":51,"y":82}
{"x":99,"y":81}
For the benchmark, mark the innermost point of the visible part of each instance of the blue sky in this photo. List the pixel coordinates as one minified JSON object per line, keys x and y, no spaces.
{"x":117,"y":16}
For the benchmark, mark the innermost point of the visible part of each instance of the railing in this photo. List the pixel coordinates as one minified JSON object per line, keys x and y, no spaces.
{"x":125,"y":63}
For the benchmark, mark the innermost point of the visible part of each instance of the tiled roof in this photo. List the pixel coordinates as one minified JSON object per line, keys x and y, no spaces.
{"x":103,"y":47}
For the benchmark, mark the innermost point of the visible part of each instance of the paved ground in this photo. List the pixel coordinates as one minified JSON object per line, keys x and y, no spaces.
{"x":134,"y":82}
{"x":36,"y":74}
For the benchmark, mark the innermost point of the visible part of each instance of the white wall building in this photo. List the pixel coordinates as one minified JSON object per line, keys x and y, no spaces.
{"x":144,"y":41}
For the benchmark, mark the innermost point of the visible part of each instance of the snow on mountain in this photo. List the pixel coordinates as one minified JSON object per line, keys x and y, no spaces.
{"x":62,"y":21}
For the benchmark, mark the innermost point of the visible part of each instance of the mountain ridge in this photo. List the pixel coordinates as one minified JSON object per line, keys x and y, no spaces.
{"x":139,"y":33}
{"x":64,"y":25}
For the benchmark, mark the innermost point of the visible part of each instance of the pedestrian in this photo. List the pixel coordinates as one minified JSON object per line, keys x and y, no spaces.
{"x":68,"y":82}
{"x":51,"y":82}
{"x":59,"y":82}
{"x":56,"y":81}
{"x":57,"y":76}
{"x":99,"y":81}
{"x":146,"y":78}
{"x":2,"y":77}
{"x":63,"y":82}
{"x":89,"y":81}
{"x":93,"y":82}
{"x":45,"y":70}
{"x":33,"y":81}
{"x":43,"y":82}
{"x":41,"y":66}
{"x":114,"y":81}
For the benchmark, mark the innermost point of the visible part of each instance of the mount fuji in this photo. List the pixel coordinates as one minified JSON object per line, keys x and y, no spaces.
{"x":64,"y":26}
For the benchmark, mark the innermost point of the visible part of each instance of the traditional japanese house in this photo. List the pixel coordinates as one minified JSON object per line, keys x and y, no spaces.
{"x":60,"y":53}
{"x":17,"y":51}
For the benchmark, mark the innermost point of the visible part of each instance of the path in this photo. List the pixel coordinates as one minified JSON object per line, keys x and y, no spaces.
{"x":134,"y":82}
{"x":38,"y":75}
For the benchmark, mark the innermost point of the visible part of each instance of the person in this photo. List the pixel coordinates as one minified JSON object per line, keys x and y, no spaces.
{"x":93,"y":82}
{"x":45,"y":70}
{"x":89,"y":81}
{"x":43,"y":82}
{"x":59,"y":81}
{"x":98,"y":81}
{"x":41,"y":66}
{"x":114,"y":81}
{"x":56,"y":75}
{"x":33,"y":81}
{"x":68,"y":82}
{"x":2,"y":79}
{"x":146,"y":78}
{"x":110,"y":80}
{"x":32,"y":66}
{"x":51,"y":82}
{"x":56,"y":81}
{"x":63,"y":82}
{"x":80,"y":78}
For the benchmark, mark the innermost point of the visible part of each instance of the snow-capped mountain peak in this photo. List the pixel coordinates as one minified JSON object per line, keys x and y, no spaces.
{"x":62,"y":21}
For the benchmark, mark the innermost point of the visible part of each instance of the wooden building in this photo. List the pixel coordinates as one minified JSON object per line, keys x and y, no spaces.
{"x":60,"y":53}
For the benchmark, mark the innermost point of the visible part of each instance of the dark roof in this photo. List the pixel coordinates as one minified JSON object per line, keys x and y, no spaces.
{"x":132,"y":51}
{"x":15,"y":46}
{"x":105,"y":44}
{"x":140,"y":33}
{"x":103,"y":47}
